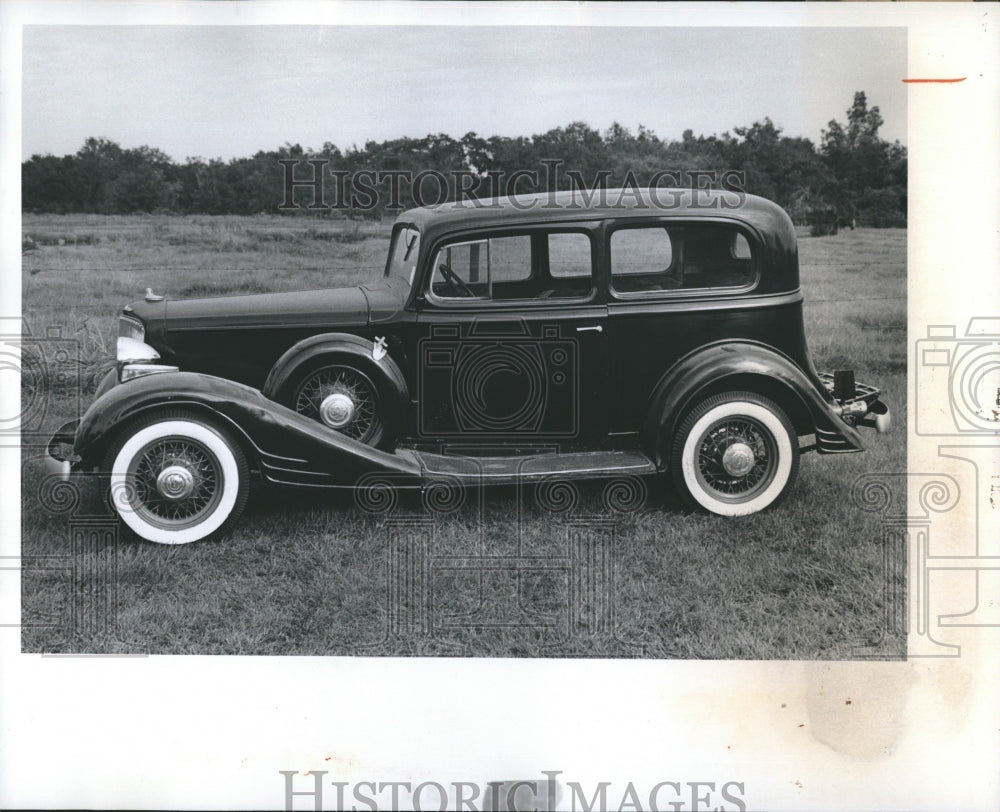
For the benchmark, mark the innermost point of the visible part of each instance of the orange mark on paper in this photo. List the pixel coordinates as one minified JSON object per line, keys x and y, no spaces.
{"x":935,"y":81}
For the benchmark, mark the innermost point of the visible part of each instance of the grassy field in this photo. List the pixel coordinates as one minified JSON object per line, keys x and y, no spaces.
{"x":317,"y":574}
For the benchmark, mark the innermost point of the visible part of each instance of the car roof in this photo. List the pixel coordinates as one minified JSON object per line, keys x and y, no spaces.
{"x":568,"y":206}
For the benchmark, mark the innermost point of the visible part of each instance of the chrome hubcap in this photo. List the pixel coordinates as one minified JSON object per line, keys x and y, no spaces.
{"x":175,"y":482}
{"x":343,"y":399}
{"x":738,"y":459}
{"x":337,"y":410}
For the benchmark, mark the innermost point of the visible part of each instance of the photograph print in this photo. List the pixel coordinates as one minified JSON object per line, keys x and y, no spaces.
{"x":459,"y":341}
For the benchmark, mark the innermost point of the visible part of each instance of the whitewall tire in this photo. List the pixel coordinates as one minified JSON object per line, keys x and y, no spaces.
{"x":175,"y":478}
{"x":736,"y":453}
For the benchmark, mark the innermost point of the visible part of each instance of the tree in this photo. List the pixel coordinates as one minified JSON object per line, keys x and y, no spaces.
{"x":864,"y":163}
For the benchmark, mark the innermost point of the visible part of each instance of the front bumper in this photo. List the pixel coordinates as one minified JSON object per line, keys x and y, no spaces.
{"x":59,"y":457}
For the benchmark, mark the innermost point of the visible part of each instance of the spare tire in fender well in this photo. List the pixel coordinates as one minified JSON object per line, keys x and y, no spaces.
{"x":350,"y":350}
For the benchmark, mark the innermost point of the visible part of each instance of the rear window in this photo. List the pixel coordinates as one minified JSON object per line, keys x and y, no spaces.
{"x":702,"y":256}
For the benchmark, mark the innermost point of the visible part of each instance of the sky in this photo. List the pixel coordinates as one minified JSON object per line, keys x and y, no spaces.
{"x":229,"y":91}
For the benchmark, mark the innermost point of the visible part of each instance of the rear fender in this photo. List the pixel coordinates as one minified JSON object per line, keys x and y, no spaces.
{"x":746,"y":366}
{"x":283,"y":445}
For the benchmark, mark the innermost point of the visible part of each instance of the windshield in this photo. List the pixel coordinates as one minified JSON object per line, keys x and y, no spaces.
{"x":403,"y":253}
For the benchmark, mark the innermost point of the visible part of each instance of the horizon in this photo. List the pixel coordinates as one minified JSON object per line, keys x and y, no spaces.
{"x":309,"y":149}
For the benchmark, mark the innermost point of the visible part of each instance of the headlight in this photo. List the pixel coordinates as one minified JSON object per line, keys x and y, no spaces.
{"x":132,"y":351}
{"x":132,"y":371}
{"x":131,"y":327}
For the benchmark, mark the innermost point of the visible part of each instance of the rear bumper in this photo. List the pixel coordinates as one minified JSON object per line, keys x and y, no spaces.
{"x":59,"y":457}
{"x":877,"y":417}
{"x":860,"y":408}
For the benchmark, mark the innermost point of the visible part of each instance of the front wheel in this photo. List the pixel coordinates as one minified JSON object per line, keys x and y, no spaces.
{"x":735,"y":453}
{"x":176,"y":478}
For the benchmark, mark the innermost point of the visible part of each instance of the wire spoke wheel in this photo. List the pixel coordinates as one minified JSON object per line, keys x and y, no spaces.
{"x":177,"y":482}
{"x":342,"y":398}
{"x":737,"y":458}
{"x":735,"y":453}
{"x":176,"y":477}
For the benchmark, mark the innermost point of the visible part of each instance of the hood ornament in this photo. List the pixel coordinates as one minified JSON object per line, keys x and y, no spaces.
{"x":379,"y":349}
{"x":152,"y":297}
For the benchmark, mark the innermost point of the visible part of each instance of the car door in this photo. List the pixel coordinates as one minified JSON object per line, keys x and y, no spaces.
{"x":512,"y":343}
{"x":674,"y":286}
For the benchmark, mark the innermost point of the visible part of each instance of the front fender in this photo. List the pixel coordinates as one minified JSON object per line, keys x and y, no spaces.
{"x":287,"y":447}
{"x":747,"y":366}
{"x":358,"y":349}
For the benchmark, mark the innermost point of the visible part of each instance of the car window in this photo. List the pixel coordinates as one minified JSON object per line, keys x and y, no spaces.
{"x":461,"y":270}
{"x":641,"y":251}
{"x":569,"y":255}
{"x":403,"y":253}
{"x":741,"y":247}
{"x":536,"y":265}
{"x":654,"y":259}
{"x":510,"y":259}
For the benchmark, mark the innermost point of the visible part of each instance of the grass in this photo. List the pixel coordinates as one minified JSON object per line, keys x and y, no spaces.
{"x":308,"y":573}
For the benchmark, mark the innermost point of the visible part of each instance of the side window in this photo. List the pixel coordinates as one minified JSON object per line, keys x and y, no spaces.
{"x":518,"y":267}
{"x":461,"y":270}
{"x":641,"y":256}
{"x":569,"y":256}
{"x":510,"y":259}
{"x":680,"y":257}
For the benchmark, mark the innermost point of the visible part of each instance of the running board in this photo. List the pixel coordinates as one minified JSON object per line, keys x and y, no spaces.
{"x":512,"y":470}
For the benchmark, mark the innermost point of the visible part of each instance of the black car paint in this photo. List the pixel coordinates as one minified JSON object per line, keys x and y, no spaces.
{"x":287,"y":447}
{"x":742,"y":365}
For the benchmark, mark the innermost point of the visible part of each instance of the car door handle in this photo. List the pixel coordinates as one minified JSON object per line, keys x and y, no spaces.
{"x":597,"y":328}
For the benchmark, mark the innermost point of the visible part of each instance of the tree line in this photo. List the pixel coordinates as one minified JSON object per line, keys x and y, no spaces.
{"x":852,"y":176}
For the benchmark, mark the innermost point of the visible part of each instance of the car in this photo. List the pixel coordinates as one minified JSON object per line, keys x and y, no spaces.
{"x":522,"y":339}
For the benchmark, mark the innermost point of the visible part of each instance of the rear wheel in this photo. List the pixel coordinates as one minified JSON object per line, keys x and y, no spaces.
{"x":176,"y":478}
{"x":735,"y":453}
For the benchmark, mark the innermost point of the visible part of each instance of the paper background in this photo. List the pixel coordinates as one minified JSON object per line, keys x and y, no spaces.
{"x":199,"y":732}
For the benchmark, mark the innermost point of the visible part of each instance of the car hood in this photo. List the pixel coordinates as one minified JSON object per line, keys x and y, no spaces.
{"x":345,"y":307}
{"x":330,"y":308}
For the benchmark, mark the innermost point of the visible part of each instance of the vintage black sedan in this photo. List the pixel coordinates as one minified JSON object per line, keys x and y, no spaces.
{"x":563,"y":335}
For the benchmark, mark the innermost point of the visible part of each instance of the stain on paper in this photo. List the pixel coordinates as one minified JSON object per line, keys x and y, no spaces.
{"x":858,"y":711}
